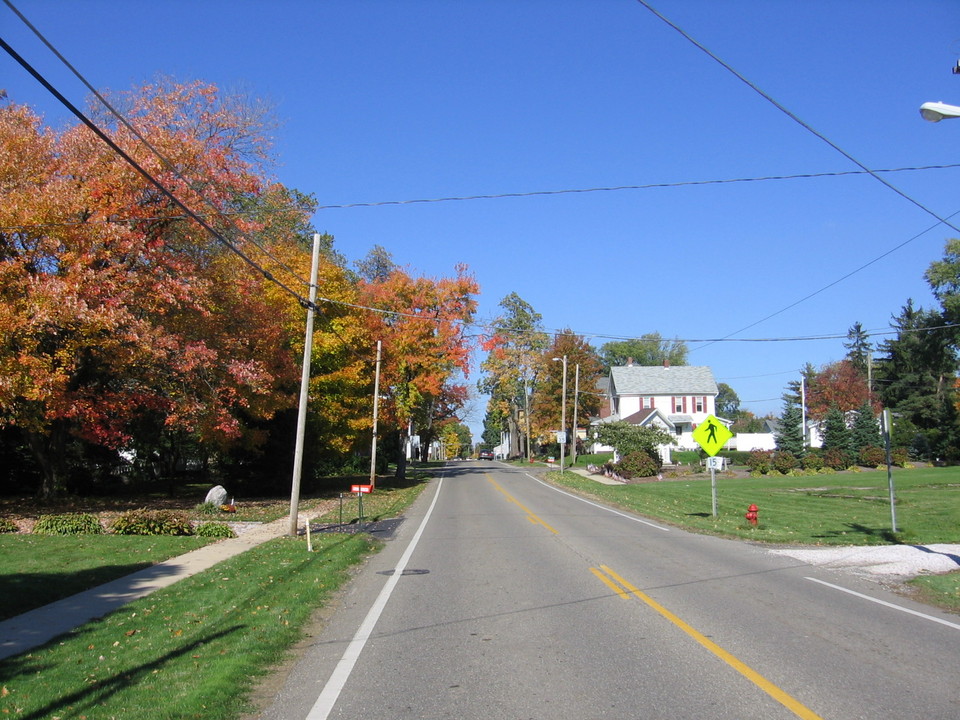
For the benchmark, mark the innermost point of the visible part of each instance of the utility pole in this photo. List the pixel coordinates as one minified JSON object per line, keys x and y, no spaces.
{"x":376,"y":408}
{"x":304,"y":390}
{"x":576,"y":398}
{"x":563,"y":412}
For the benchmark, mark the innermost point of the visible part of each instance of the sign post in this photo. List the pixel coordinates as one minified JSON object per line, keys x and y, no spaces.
{"x":360,"y":490}
{"x":712,"y":435}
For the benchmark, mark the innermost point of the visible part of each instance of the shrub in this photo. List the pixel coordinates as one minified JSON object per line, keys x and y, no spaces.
{"x":837,"y":459}
{"x":207,"y":508}
{"x":152,"y":522}
{"x":900,"y":456}
{"x":637,"y":464}
{"x":214,"y":530}
{"x":8,"y":526}
{"x":759,"y":461}
{"x":68,"y":524}
{"x":736,"y":457}
{"x":784,"y":462}
{"x":872,"y":456}
{"x":812,"y":461}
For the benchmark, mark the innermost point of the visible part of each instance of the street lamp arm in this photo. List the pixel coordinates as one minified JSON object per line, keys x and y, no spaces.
{"x":937,"y":111}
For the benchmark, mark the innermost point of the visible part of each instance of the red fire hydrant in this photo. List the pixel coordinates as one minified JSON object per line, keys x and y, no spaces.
{"x":751,"y":515}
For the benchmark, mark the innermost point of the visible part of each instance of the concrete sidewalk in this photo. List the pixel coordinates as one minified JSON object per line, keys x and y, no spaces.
{"x":34,"y":628}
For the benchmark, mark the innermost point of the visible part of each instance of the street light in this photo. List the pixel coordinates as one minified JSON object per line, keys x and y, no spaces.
{"x":937,"y":111}
{"x":563,"y":411}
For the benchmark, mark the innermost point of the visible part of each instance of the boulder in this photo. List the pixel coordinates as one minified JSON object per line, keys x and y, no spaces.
{"x":217,"y":495}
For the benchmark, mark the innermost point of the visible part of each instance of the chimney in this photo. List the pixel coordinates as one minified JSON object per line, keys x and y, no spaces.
{"x":629,"y":362}
{"x":666,"y":362}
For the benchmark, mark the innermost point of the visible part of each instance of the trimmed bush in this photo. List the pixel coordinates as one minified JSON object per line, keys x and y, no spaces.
{"x":214,"y":530}
{"x":152,"y":522}
{"x":872,"y":456}
{"x":68,"y":524}
{"x":637,"y":464}
{"x":8,"y":526}
{"x":900,"y":456}
{"x":760,"y":461}
{"x":812,"y":461}
{"x":784,"y":462}
{"x":837,"y":459}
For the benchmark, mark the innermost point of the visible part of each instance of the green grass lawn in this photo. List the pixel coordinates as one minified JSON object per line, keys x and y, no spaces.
{"x":40,"y":569}
{"x":834,"y":509}
{"x":193,"y":649}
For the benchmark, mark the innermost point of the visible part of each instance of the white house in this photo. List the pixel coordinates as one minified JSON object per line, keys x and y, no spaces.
{"x":682,"y":395}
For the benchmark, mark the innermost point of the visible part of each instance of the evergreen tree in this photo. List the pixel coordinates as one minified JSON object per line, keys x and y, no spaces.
{"x":916,"y":376}
{"x":858,"y":347}
{"x":789,"y":435}
{"x":866,"y":430}
{"x":836,"y":434}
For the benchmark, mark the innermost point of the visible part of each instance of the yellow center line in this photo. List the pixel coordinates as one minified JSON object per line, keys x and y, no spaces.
{"x":795,"y":706}
{"x":610,"y":584}
{"x":532,"y":517}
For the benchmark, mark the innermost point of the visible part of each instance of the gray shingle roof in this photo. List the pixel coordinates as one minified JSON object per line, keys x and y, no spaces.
{"x":659,"y":380}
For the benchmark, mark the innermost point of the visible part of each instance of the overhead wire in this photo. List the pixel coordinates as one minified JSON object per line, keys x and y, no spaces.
{"x":163,"y":159}
{"x":806,"y":126}
{"x":647,"y":186}
{"x":200,"y":219}
{"x":147,"y":175}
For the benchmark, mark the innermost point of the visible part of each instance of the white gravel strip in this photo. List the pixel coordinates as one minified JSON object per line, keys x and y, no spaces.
{"x":902,"y":561}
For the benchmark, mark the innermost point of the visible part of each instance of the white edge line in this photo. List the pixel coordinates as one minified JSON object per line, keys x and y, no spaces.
{"x":955,"y":626}
{"x":341,"y":673}
{"x":597,"y":505}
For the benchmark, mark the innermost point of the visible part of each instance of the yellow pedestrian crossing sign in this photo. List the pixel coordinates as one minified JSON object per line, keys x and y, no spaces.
{"x":711,"y":435}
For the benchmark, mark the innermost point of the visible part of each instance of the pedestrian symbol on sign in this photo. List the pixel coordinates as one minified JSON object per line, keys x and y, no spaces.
{"x":711,"y":435}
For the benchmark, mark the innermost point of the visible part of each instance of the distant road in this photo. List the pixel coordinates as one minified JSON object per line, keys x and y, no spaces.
{"x":518,"y":600}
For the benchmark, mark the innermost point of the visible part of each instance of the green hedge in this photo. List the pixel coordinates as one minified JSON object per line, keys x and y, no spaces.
{"x":68,"y":524}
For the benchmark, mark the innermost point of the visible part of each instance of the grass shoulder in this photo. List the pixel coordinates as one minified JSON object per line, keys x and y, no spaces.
{"x":837,"y":509}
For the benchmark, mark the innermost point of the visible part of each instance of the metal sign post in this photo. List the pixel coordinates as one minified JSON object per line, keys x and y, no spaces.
{"x":893,"y":497}
{"x":712,"y":435}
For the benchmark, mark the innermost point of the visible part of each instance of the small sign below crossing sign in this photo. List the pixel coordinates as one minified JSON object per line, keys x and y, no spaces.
{"x":712,"y":435}
{"x":361,"y":488}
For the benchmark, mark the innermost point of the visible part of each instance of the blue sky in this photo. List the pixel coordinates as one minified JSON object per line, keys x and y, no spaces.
{"x":423,"y":99}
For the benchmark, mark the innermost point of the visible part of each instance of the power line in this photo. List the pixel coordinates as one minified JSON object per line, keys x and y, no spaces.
{"x":146,"y":175}
{"x":648,"y":186}
{"x":166,"y":162}
{"x":806,"y":126}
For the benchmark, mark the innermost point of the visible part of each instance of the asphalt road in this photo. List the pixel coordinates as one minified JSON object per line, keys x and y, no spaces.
{"x":502,"y":597}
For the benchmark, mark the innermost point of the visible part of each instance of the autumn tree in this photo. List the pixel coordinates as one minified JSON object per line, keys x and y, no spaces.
{"x":547,"y":403}
{"x":422,"y":323}
{"x":838,"y":385}
{"x":510,"y":370}
{"x":117,"y":314}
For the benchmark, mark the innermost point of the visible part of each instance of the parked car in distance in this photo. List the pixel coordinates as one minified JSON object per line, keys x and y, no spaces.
{"x":486,"y":455}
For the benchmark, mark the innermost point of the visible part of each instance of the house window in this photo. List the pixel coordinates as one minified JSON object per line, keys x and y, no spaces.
{"x":679,"y":404}
{"x":701,"y":404}
{"x":646,"y":403}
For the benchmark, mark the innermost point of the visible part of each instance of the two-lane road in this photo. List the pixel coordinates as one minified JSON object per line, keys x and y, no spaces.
{"x":503,"y":597}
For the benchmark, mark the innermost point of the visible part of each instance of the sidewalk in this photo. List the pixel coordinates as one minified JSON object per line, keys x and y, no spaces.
{"x":39,"y":626}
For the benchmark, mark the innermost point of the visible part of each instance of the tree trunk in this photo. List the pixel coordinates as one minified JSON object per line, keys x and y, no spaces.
{"x":49,"y":452}
{"x":513,"y":428}
{"x":401,"y":473}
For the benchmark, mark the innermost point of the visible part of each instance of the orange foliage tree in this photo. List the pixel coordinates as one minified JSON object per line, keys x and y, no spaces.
{"x":422,"y":324}
{"x":120,"y":318}
{"x":547,"y":405}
